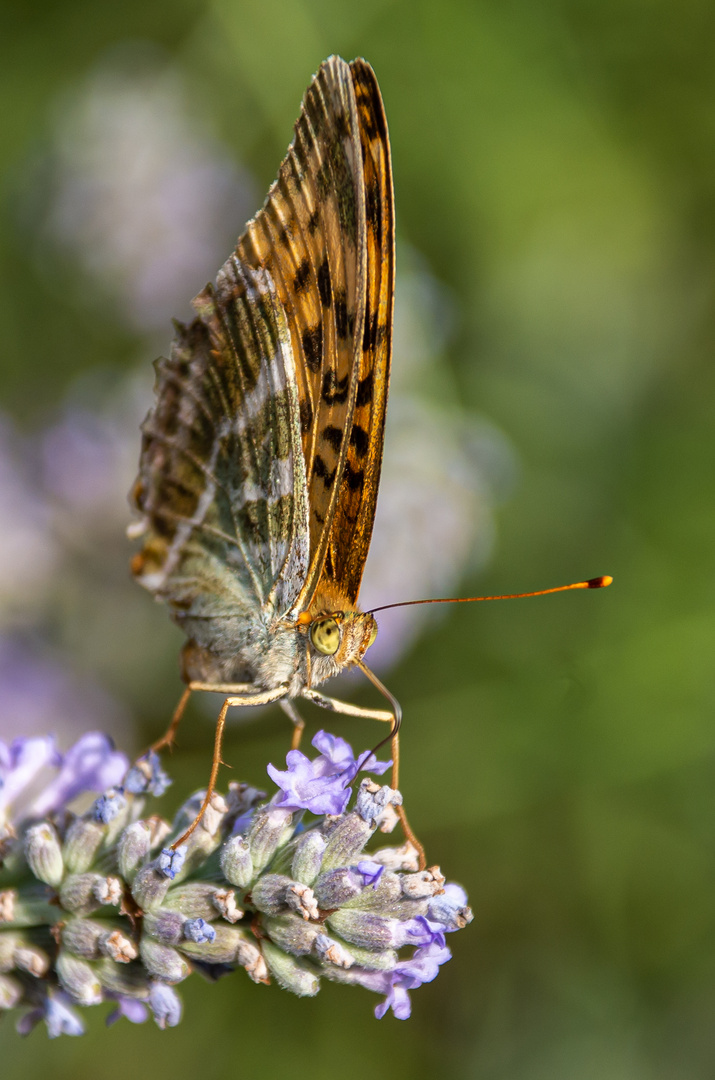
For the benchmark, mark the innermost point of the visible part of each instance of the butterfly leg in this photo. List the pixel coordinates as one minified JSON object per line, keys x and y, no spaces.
{"x":296,"y":719}
{"x":345,"y":707}
{"x":246,"y":699}
{"x":169,"y":735}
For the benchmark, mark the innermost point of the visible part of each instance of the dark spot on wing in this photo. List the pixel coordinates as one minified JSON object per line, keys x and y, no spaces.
{"x":324,"y":283}
{"x":306,"y":415}
{"x":322,"y":179}
{"x":344,"y":319}
{"x":359,"y":439}
{"x":341,"y":125}
{"x":333,"y":436}
{"x":354,"y":478}
{"x":302,"y":276}
{"x":334,"y":391}
{"x":373,"y":208}
{"x":369,"y":337}
{"x":365,"y":389}
{"x":313,"y":346}
{"x":314,"y":221}
{"x":321,"y":469}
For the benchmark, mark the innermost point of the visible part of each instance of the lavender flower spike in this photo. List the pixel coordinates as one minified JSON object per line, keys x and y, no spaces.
{"x":323,"y":784}
{"x":285,"y":897}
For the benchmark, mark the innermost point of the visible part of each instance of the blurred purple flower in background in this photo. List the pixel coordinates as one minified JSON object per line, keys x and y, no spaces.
{"x":148,"y":202}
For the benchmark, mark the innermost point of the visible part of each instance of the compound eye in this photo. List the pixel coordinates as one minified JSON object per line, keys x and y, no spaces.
{"x":325,"y":635}
{"x":373,"y":635}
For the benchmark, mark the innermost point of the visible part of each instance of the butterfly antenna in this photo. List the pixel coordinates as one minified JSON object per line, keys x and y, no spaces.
{"x":592,"y":583}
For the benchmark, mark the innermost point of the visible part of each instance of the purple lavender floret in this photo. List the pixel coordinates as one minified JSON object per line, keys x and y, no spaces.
{"x":147,"y":775}
{"x":323,"y":784}
{"x":371,"y":871}
{"x":107,"y":806}
{"x":134,"y":1010}
{"x":170,"y":862}
{"x":92,"y":764}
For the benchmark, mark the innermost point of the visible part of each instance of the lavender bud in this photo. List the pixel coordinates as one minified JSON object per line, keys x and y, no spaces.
{"x":81,"y":844}
{"x":77,"y":893}
{"x":150,"y":886}
{"x":271,"y":827}
{"x":82,"y":937}
{"x":269,"y":893}
{"x":372,"y":800}
{"x":453,"y":915}
{"x":370,"y":959}
{"x":236,"y":862}
{"x":224,"y":900}
{"x":337,"y":887}
{"x":332,"y":952}
{"x":9,"y":942}
{"x":242,"y":798}
{"x":78,"y":979}
{"x":32,"y":959}
{"x":346,"y":840}
{"x":133,"y":849}
{"x":405,"y":857}
{"x":308,"y":856}
{"x":291,"y":934}
{"x":44,"y":853}
{"x":8,"y":900}
{"x":163,"y":961}
{"x":165,"y":925}
{"x":302,"y":900}
{"x":383,"y":896}
{"x":424,"y":883}
{"x":219,"y":949}
{"x":291,"y":974}
{"x":108,"y":891}
{"x":10,"y":992}
{"x":194,"y":899}
{"x":130,"y":979}
{"x":165,"y":1004}
{"x":363,"y":928}
{"x":250,"y":957}
{"x":118,"y":947}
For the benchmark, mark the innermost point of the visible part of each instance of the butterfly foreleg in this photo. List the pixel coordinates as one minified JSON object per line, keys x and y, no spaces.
{"x":296,"y":719}
{"x":264,"y":697}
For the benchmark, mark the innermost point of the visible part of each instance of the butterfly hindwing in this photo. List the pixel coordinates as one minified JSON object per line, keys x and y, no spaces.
{"x":222,"y":482}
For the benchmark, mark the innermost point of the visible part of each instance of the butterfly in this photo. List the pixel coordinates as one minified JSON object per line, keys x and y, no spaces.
{"x":260,"y":460}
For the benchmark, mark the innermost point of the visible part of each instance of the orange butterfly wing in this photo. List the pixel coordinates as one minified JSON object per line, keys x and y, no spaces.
{"x":326,"y":236}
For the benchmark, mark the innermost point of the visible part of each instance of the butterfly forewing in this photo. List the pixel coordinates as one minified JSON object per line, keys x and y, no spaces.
{"x":261,"y":458}
{"x":351,"y":528}
{"x":331,"y":265}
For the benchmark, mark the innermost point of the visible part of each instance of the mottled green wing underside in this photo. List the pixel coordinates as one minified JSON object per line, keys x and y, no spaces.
{"x":221,"y":484}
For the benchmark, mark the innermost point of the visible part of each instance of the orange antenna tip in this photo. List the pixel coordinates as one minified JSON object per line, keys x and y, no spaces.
{"x":599,"y":582}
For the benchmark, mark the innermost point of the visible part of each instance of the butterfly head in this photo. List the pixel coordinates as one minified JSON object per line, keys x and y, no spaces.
{"x":337,"y":639}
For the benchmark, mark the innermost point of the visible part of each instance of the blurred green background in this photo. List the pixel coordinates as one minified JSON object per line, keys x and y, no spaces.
{"x":555,"y":180}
